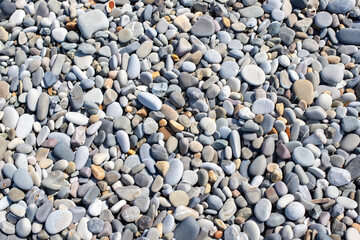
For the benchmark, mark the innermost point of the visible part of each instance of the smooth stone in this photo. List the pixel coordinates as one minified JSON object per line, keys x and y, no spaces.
{"x":252,"y":230}
{"x":91,"y":22}
{"x":263,"y":209}
{"x":63,"y":151}
{"x":123,"y":139}
{"x":347,"y":203}
{"x":303,"y":156}
{"x":350,"y":123}
{"x":227,"y":210}
{"x":23,"y":227}
{"x":130,"y":214}
{"x":253,"y":75}
{"x":294,"y":211}
{"x":212,"y":56}
{"x":203,"y":27}
{"x":42,"y":107}
{"x":323,"y":19}
{"x":262,"y":106}
{"x":341,"y":6}
{"x":338,"y":176}
{"x":150,"y":101}
{"x":128,"y":193}
{"x":332,"y":74}
{"x":304,"y":90}
{"x":208,"y":125}
{"x":22,"y":179}
{"x":350,"y":142}
{"x":10,"y":117}
{"x":95,"y":225}
{"x":354,"y":168}
{"x":188,"y":229}
{"x":133,"y":69}
{"x":77,"y":118}
{"x":229,"y":69}
{"x":59,"y":34}
{"x":252,"y":11}
{"x":316,"y":113}
{"x":174,"y":173}
{"x":235,"y":143}
{"x":24,"y":126}
{"x":57,"y":221}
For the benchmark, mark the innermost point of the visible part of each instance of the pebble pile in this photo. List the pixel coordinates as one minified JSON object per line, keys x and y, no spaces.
{"x":179,"y":119}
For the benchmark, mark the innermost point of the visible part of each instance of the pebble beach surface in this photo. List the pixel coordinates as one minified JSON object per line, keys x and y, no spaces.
{"x":179,"y":119}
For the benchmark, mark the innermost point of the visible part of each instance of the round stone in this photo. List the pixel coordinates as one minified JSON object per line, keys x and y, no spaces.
{"x":332,"y":74}
{"x":294,"y":211}
{"x":229,"y":69}
{"x":130,"y":214}
{"x":323,"y":19}
{"x":253,"y":75}
{"x":263,"y":209}
{"x":303,"y":156}
{"x":179,"y":198}
{"x":57,"y":221}
{"x":338,"y":176}
{"x":303,"y":89}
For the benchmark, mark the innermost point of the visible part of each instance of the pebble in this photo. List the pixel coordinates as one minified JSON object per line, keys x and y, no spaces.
{"x":303,"y":157}
{"x":338,"y":176}
{"x":294,"y":211}
{"x":150,"y":101}
{"x":332,"y":74}
{"x":253,"y":75}
{"x":57,"y":221}
{"x":91,"y":22}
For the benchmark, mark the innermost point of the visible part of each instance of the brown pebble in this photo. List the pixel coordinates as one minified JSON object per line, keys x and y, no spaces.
{"x":259,"y":118}
{"x":98,"y":172}
{"x":94,"y":119}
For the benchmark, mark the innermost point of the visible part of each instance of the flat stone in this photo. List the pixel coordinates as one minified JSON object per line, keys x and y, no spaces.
{"x":338,"y":176}
{"x":253,"y":75}
{"x":263,"y":209}
{"x":203,"y":27}
{"x":227,"y":210}
{"x":91,"y":22}
{"x":263,"y":106}
{"x":252,"y":230}
{"x":150,"y":101}
{"x":303,"y":156}
{"x":63,"y":151}
{"x":304,"y":90}
{"x":252,"y":11}
{"x":188,"y":229}
{"x":178,"y":198}
{"x":22,"y":179}
{"x":24,"y":126}
{"x":341,"y":6}
{"x":294,"y":211}
{"x":332,"y":74}
{"x":229,"y":69}
{"x":128,"y":193}
{"x":57,"y":221}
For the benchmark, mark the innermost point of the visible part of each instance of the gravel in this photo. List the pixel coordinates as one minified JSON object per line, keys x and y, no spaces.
{"x":179,"y":119}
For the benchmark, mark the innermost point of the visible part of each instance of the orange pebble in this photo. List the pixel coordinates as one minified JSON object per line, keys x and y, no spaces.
{"x":155,"y":74}
{"x":218,"y":234}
